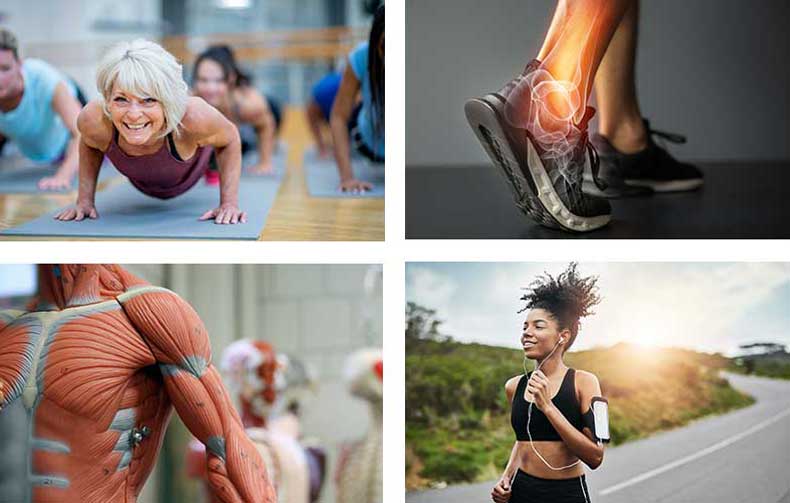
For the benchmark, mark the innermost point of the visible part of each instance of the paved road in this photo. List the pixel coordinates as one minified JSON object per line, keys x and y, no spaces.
{"x":739,"y":457}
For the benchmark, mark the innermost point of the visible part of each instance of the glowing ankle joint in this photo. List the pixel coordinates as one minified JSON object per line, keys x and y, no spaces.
{"x":545,"y":107}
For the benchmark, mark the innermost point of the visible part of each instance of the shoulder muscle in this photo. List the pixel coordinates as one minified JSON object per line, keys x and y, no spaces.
{"x":170,"y":326}
{"x":587,"y":386}
{"x":510,"y":387}
{"x":94,"y":126}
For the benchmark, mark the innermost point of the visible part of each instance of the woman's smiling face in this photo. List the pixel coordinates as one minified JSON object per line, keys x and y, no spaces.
{"x":138,"y":119}
{"x":211,"y":83}
{"x":540,"y":333}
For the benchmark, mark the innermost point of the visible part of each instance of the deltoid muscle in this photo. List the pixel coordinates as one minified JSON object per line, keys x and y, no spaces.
{"x":98,"y":364}
{"x":359,"y":474}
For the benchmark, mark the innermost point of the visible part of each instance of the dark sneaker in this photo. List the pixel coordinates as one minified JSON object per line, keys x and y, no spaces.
{"x":653,"y":169}
{"x":547,"y":190}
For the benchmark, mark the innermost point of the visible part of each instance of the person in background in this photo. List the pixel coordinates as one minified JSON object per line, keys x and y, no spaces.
{"x":218,"y":79}
{"x":364,"y":73}
{"x":319,"y":109}
{"x":38,"y":112}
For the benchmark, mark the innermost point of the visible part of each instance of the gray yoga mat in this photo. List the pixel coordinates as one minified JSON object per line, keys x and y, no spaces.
{"x":322,"y":178}
{"x":20,"y":177}
{"x":126,"y":213}
{"x":279,"y":157}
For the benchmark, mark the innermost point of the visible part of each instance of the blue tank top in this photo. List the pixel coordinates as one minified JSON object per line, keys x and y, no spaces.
{"x":359,"y":64}
{"x":34,"y":126}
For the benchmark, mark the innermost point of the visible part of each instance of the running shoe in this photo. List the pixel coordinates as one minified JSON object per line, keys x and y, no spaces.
{"x":652,"y":170}
{"x":546,"y":190}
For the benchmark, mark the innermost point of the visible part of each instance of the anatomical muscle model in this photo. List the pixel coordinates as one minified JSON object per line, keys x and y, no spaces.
{"x":98,"y":363}
{"x":359,"y":471}
{"x":262,"y":380}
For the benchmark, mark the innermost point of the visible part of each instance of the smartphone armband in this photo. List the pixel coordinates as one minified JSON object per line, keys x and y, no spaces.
{"x":597,"y":419}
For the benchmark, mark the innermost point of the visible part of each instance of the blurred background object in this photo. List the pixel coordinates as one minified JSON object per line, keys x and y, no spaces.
{"x":286,"y":45}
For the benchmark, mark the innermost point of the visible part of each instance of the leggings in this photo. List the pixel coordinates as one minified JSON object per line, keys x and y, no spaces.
{"x":529,"y":489}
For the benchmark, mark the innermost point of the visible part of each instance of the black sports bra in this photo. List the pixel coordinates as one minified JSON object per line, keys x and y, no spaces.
{"x":539,"y":425}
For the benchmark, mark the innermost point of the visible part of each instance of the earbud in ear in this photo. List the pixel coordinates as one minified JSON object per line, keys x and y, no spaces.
{"x":562,"y":339}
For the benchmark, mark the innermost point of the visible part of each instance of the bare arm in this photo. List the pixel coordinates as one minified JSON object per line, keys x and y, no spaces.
{"x":501,"y":491}
{"x":68,"y":108}
{"x":256,"y":111}
{"x":95,"y":135}
{"x":338,"y":121}
{"x":580,"y":444}
{"x":513,"y":462}
{"x":315,"y":120}
{"x":209,"y":127}
{"x":179,"y":342}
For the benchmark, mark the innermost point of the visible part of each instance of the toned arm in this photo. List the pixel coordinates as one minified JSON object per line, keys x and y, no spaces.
{"x":180,"y":344}
{"x":254,"y":109}
{"x":208,"y":127}
{"x":338,"y":121}
{"x":580,"y":444}
{"x":95,"y":135}
{"x":68,"y":108}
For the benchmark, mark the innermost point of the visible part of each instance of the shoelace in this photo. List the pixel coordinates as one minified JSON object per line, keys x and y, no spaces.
{"x":574,"y":184}
{"x":595,"y":162}
{"x":663,"y":135}
{"x":673,"y":137}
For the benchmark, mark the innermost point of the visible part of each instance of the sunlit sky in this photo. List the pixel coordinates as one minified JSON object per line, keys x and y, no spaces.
{"x":711,"y":307}
{"x":17,"y":280}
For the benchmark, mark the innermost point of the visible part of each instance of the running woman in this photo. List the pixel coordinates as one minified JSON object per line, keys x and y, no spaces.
{"x":551,"y":407}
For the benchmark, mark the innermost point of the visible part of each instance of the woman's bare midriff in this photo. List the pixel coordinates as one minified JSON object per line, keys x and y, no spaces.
{"x":555,"y":452}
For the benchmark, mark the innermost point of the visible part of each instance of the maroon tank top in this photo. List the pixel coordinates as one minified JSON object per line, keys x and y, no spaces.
{"x":161,"y":174}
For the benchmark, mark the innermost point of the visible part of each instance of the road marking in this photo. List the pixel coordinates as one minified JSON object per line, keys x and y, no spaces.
{"x":687,"y":459}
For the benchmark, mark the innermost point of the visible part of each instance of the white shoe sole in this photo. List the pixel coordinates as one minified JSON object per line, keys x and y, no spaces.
{"x":671,"y":186}
{"x":482,"y":114}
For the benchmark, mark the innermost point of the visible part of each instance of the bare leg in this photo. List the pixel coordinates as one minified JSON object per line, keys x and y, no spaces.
{"x":573,"y":49}
{"x":620,"y":119}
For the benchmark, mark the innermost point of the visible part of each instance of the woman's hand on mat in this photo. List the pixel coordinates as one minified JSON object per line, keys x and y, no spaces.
{"x":538,"y":389}
{"x":54,"y":183}
{"x":226,"y":214}
{"x":263,"y":168}
{"x":355,"y":186}
{"x":501,"y":491}
{"x":78,"y":212}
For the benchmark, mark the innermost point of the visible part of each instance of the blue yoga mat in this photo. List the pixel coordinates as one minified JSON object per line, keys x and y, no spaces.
{"x":23,"y":177}
{"x":322,"y":178}
{"x":126,"y":213}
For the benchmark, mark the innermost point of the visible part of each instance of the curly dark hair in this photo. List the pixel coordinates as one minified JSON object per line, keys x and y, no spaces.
{"x":568,"y":297}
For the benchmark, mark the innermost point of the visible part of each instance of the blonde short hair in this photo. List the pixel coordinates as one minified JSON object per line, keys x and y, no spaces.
{"x":144,"y":68}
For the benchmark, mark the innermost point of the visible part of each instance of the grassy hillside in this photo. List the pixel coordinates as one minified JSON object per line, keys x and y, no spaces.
{"x":457,"y":416}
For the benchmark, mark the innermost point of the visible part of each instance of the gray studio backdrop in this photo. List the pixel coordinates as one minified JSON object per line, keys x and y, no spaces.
{"x":717,"y":71}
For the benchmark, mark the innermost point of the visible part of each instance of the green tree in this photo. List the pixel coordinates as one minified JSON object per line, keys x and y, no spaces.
{"x":421,"y":323}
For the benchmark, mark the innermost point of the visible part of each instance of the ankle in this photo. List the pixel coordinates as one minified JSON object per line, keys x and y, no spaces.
{"x":627,"y":136}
